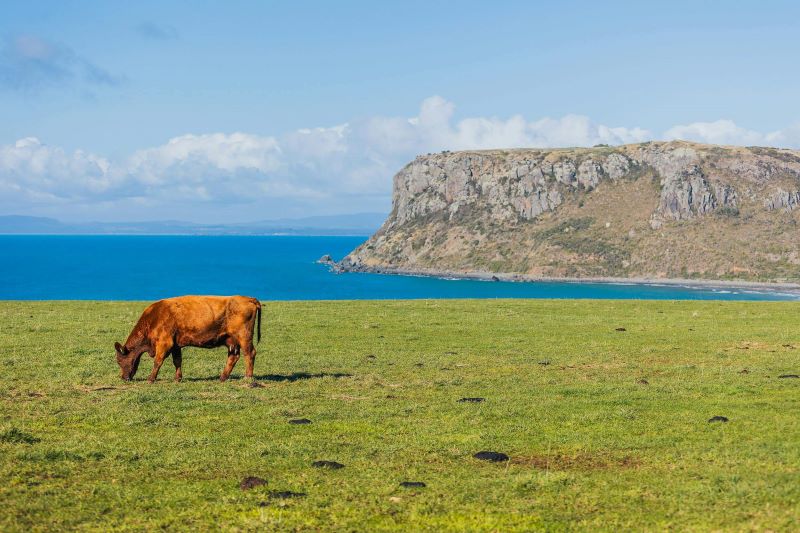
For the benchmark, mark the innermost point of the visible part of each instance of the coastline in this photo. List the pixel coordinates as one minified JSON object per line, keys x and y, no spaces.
{"x":792,"y":288}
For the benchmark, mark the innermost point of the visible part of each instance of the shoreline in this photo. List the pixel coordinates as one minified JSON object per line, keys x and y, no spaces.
{"x":792,"y":288}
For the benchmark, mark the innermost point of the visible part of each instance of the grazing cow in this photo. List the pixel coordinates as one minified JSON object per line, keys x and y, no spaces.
{"x":202,"y":321}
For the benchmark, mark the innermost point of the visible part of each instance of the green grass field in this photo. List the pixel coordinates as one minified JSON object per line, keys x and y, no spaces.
{"x":605,"y":429}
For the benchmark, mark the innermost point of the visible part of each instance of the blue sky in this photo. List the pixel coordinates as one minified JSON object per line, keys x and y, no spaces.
{"x":235,"y":111}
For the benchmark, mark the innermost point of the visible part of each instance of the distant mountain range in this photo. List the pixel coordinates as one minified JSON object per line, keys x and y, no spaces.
{"x":355,"y":224}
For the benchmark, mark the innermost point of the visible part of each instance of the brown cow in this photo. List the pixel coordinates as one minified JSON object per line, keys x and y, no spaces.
{"x":202,"y":321}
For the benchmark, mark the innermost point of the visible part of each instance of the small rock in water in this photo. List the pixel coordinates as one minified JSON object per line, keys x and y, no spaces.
{"x":621,"y":329}
{"x":471,"y":400}
{"x":495,"y":278}
{"x":412,"y":484}
{"x":495,"y":457}
{"x":252,"y":481}
{"x":300,"y":421}
{"x":718,"y":419}
{"x":790,"y":376}
{"x":333,"y":465}
{"x":325,"y":260}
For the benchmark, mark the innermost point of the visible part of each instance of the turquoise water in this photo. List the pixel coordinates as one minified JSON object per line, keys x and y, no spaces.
{"x":269,"y":268}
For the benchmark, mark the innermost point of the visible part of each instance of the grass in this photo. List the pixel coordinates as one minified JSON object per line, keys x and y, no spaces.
{"x":592,"y":447}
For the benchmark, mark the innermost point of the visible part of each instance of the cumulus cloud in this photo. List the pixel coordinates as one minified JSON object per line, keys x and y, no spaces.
{"x":29,"y":63}
{"x":347,"y":167}
{"x":727,"y":132}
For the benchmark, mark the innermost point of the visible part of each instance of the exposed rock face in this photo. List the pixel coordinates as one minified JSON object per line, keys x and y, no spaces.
{"x":672,"y":209}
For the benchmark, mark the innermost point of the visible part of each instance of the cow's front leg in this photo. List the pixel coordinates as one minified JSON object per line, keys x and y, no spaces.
{"x":177,"y":360}
{"x":161,"y":352}
{"x":233,"y":356}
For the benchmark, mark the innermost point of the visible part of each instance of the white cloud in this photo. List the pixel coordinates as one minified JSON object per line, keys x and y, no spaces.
{"x":727,"y":132}
{"x":332,"y":169}
{"x":718,"y":132}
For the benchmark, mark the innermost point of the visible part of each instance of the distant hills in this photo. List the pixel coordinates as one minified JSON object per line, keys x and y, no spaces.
{"x":354,"y":224}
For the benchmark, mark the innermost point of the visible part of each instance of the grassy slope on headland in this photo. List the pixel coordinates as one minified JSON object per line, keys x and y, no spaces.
{"x":591,"y":446}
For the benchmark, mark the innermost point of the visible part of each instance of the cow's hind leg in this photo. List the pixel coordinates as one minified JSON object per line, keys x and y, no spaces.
{"x":160,"y":353}
{"x":177,"y":360}
{"x":249,"y":358}
{"x":233,"y":357}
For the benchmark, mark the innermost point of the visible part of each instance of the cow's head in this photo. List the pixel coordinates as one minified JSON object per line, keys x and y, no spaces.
{"x":128,"y":362}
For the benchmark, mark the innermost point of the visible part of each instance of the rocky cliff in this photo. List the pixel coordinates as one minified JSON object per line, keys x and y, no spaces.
{"x":655,"y":210}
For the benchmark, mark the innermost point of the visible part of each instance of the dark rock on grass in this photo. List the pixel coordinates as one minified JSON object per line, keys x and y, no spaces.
{"x":744,"y":371}
{"x":495,"y":457}
{"x":252,"y":481}
{"x":16,"y":436}
{"x":254,"y":385}
{"x":789,"y":376}
{"x":333,"y":465}
{"x":544,"y":363}
{"x":621,"y":329}
{"x":419,"y":365}
{"x":285,"y":494}
{"x":451,"y":353}
{"x":790,"y":346}
{"x":300,"y":421}
{"x":371,"y":356}
{"x":412,"y":484}
{"x":718,"y":419}
{"x":471,"y":400}
{"x":643,"y":382}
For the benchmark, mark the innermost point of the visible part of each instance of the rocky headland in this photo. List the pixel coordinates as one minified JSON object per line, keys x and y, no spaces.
{"x":651,"y":211}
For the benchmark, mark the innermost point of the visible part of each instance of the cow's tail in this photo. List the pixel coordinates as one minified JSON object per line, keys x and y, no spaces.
{"x":258,"y":321}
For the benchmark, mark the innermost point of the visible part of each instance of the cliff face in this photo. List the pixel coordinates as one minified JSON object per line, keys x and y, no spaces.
{"x":676,"y":209}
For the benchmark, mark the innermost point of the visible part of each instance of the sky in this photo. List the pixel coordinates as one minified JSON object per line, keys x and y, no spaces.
{"x":239,"y":111}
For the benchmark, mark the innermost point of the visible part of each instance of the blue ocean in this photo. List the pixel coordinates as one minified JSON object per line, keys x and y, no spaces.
{"x":267,"y":267}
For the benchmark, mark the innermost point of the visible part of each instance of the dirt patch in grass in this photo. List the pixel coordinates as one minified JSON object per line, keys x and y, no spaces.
{"x":97,"y":389}
{"x":252,"y":481}
{"x":333,"y":465}
{"x":580,"y":461}
{"x":285,"y":494}
{"x":494,"y":457}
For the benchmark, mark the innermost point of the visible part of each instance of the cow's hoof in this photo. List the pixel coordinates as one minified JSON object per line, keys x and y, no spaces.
{"x":151,"y":381}
{"x":223,"y":379}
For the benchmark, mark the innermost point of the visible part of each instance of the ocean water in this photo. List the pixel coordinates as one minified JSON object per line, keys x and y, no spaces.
{"x":269,"y":268}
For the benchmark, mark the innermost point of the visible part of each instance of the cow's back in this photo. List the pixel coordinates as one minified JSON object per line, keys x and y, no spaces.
{"x":197,"y":319}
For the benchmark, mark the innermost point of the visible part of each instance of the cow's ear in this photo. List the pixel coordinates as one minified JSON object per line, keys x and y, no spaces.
{"x":120,"y":349}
